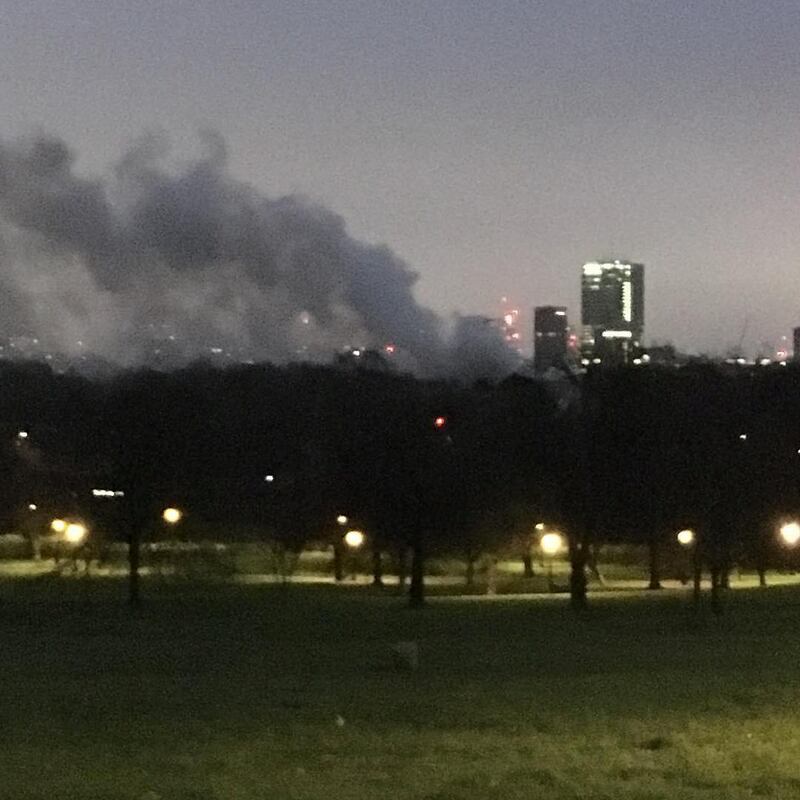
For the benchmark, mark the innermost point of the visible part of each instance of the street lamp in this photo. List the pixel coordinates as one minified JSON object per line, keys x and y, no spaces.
{"x":550,"y":543}
{"x":58,"y":525}
{"x":171,"y":515}
{"x":790,"y":533}
{"x":75,"y":533}
{"x":686,"y":537}
{"x":354,"y":539}
{"x":341,"y":519}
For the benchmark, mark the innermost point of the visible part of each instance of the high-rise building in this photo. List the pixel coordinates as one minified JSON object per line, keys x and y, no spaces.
{"x":612,"y":310}
{"x":796,"y":356}
{"x":550,"y":334}
{"x":509,"y":325}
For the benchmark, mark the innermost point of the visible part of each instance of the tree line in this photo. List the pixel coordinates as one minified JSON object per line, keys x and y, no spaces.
{"x":627,"y":455}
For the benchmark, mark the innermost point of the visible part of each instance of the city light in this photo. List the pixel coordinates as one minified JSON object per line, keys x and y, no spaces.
{"x":354,"y":539}
{"x":58,"y":525}
{"x":540,"y":526}
{"x":22,"y":435}
{"x":269,"y":478}
{"x":551,"y":543}
{"x":171,"y":515}
{"x":790,"y":533}
{"x":32,"y":506}
{"x":440,"y":422}
{"x":341,"y":519}
{"x":686,"y":537}
{"x":75,"y":533}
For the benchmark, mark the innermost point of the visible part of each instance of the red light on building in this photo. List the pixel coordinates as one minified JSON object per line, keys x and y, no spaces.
{"x":440,"y":422}
{"x":389,"y":348}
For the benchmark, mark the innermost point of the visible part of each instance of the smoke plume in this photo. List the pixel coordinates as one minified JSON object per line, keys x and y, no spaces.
{"x":181,"y":257}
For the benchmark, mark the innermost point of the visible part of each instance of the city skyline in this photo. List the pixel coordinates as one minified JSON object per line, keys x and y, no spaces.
{"x":491,"y":146}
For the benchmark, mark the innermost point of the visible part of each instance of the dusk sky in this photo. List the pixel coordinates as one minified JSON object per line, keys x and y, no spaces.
{"x":495,"y":146}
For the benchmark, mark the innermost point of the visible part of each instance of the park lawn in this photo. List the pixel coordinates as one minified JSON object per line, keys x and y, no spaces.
{"x":287,"y":692}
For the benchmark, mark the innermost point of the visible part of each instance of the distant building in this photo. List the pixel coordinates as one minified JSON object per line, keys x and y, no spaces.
{"x":612,"y":311}
{"x":550,"y":337}
{"x":509,"y":325}
{"x":796,"y":356}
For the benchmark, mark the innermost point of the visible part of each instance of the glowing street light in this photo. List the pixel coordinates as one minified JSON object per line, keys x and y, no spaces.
{"x":790,"y":533}
{"x":354,"y":539}
{"x":551,"y":543}
{"x":540,"y":526}
{"x":686,"y":537}
{"x":171,"y":515}
{"x":58,"y":525}
{"x":341,"y":519}
{"x":75,"y":533}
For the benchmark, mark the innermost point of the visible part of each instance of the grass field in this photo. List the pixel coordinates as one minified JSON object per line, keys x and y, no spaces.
{"x":287,"y":692}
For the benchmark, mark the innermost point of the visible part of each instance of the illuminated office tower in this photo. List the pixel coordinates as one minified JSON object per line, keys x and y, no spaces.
{"x":612,"y":310}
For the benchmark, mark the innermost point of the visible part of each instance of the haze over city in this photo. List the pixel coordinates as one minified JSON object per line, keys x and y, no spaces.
{"x":493,"y":147}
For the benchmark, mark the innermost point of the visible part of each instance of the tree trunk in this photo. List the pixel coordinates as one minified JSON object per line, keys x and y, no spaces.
{"x":402,"y":566}
{"x":491,"y":576}
{"x":338,"y":562}
{"x":527,"y":565}
{"x":716,"y":599}
{"x":134,"y":559}
{"x":697,"y":577}
{"x":593,"y":564}
{"x":654,"y":548}
{"x":577,"y":578}
{"x":416,"y":591}
{"x":761,"y":563}
{"x":725,"y":577}
{"x":469,"y":578}
{"x":377,"y":567}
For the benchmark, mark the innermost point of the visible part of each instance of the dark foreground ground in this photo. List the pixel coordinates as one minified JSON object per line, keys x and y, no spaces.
{"x":288,"y":692}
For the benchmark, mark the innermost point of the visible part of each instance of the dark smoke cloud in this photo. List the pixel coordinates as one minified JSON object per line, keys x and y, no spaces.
{"x":184,"y":253}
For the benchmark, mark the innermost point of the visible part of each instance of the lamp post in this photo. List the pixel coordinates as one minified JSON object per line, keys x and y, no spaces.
{"x":75,"y":533}
{"x":172,"y":516}
{"x":550,"y":543}
{"x":687,"y":538}
{"x":790,"y":533}
{"x":354,"y":539}
{"x":338,"y":550}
